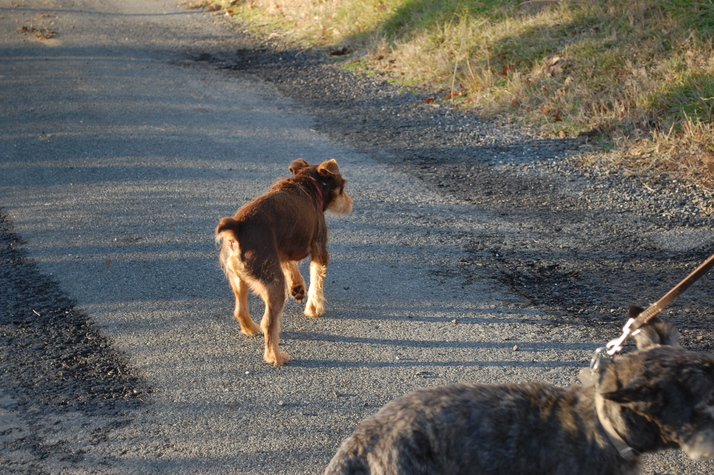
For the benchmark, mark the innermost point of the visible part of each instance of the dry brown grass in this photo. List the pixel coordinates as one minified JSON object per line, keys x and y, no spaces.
{"x":639,"y":73}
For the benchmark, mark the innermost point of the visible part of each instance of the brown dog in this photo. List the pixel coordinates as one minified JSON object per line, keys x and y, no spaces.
{"x":262,"y":244}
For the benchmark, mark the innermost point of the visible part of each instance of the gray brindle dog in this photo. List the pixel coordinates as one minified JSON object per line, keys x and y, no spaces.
{"x":658,"y":397}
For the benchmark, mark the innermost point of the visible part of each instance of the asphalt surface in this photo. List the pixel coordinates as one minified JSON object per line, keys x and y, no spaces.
{"x":122,"y":143}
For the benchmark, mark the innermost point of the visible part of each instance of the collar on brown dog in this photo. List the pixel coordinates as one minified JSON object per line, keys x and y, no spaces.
{"x":626,"y":452}
{"x":321,"y":199}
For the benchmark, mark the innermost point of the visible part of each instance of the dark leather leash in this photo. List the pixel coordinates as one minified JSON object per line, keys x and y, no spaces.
{"x":669,"y":297}
{"x":634,"y":324}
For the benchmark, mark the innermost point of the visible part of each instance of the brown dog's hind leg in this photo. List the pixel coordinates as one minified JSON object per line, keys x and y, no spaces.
{"x":274,"y":298}
{"x":240,"y":290}
{"x":315,"y":295}
{"x":296,"y":284}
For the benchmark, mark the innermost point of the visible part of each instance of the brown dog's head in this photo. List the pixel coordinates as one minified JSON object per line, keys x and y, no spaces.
{"x":329,"y":180}
{"x":664,"y":391}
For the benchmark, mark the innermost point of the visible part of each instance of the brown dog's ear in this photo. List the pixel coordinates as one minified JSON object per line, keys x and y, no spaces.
{"x":329,"y":168}
{"x":298,"y":165}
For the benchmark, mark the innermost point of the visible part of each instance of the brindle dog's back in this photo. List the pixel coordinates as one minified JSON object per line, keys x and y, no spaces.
{"x":478,"y":429}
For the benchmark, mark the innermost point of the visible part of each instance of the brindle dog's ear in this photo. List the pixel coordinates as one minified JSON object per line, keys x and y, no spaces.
{"x":329,"y":168}
{"x":657,"y":332}
{"x":298,"y":165}
{"x":636,"y":390}
{"x":634,"y":310}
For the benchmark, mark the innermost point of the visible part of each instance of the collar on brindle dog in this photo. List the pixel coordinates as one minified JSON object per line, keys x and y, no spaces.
{"x":626,"y":452}
{"x":589,"y":376}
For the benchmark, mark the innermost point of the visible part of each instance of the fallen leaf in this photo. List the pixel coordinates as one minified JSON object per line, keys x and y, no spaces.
{"x":453,"y":94}
{"x":507,"y":69}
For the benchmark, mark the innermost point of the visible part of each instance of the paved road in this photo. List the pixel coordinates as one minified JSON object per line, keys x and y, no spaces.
{"x":118,"y":155}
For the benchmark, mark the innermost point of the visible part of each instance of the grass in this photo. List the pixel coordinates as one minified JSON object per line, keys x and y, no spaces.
{"x":637,"y":73}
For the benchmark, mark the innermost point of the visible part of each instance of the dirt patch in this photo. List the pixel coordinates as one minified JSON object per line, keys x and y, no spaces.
{"x":39,"y":33}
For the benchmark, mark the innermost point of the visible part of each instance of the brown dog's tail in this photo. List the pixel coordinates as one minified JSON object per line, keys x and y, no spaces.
{"x":227,"y":228}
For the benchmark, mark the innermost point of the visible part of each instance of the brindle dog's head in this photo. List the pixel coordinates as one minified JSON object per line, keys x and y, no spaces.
{"x":664,"y":392}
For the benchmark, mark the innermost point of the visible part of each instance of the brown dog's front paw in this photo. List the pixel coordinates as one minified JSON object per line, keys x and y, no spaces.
{"x":314,"y":309}
{"x":247,"y":326}
{"x":255,"y":330}
{"x":277,"y":358}
{"x":298,"y":292}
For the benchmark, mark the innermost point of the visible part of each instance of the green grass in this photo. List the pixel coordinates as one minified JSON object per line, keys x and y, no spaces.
{"x":697,"y":14}
{"x":639,"y":71}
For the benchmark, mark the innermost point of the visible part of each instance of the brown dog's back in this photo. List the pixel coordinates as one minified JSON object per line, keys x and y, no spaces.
{"x":263,"y":242}
{"x":269,"y":224}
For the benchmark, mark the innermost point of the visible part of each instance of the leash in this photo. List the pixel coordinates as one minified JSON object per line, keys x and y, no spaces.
{"x":588,"y":376}
{"x":633,"y":325}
